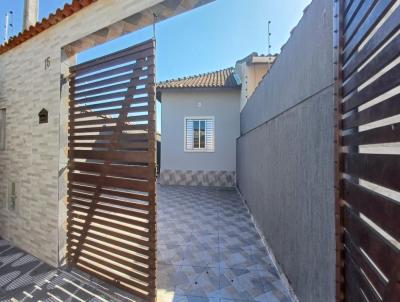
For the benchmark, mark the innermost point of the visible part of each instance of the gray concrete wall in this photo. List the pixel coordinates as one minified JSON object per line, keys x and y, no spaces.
{"x":302,"y":69}
{"x":223,"y":105}
{"x":285,"y":157}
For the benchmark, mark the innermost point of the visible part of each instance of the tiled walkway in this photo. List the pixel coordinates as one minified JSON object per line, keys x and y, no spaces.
{"x":209,"y":249}
{"x":23,"y":277}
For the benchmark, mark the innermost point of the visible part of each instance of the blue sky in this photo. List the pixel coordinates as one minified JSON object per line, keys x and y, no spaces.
{"x":209,"y":38}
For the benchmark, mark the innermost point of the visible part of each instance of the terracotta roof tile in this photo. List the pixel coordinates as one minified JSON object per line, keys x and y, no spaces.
{"x":218,"y":79}
{"x":51,"y":20}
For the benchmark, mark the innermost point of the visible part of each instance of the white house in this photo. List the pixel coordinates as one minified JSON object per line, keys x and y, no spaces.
{"x":200,"y":122}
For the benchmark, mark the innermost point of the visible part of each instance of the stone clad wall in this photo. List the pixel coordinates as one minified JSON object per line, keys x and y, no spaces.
{"x":285,"y":163}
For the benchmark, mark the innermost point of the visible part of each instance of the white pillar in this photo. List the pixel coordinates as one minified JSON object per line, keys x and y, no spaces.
{"x":31,"y":13}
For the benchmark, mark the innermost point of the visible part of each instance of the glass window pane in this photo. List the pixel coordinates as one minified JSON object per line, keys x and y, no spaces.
{"x":202,"y":134}
{"x":196,"y":137}
{"x":189,"y":134}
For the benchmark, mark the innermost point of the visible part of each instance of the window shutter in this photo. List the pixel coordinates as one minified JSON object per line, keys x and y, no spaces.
{"x":189,"y":134}
{"x":210,"y":135}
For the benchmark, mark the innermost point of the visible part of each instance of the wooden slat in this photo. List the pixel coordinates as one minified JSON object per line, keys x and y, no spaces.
{"x":108,"y":82}
{"x":107,"y":224}
{"x":382,"y":35}
{"x":120,"y":61}
{"x":132,"y":248}
{"x":385,"y":56}
{"x":125,"y":138}
{"x":136,"y":68}
{"x":111,"y":181}
{"x":370,"y":225}
{"x":103,"y":97}
{"x":113,"y":170}
{"x":100,"y":113}
{"x":108,"y":232}
{"x":360,"y":282}
{"x":383,"y":211}
{"x":383,"y":84}
{"x":101,"y":89}
{"x":110,"y":271}
{"x":102,"y":121}
{"x":347,"y":4}
{"x":382,"y":110}
{"x":382,"y":253}
{"x":131,"y":156}
{"x":382,"y":169}
{"x":135,"y":266}
{"x":115,"y":282}
{"x":144,"y":49}
{"x":108,"y":215}
{"x":380,"y":135}
{"x":358,"y":19}
{"x":115,"y":268}
{"x":131,"y":205}
{"x":351,"y":12}
{"x":111,"y":189}
{"x":111,"y":249}
{"x":378,"y":282}
{"x":108,"y":103}
{"x":138,"y":146}
{"x":85,"y":200}
{"x":381,"y":7}
{"x":124,"y":193}
{"x":108,"y":128}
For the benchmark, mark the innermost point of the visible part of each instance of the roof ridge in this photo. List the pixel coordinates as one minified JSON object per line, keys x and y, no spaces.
{"x":222,"y":78}
{"x":197,"y":75}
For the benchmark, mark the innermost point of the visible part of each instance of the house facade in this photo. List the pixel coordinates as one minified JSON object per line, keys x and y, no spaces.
{"x":34,"y":72}
{"x":201,"y":122}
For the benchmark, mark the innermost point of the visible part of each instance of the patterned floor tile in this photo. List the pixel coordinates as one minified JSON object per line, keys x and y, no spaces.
{"x":174,"y":238}
{"x":239,"y":258}
{"x":241,"y":284}
{"x":198,"y":281}
{"x":168,"y":276}
{"x":205,"y":239}
{"x":181,"y":298}
{"x":277,"y":293}
{"x":201,"y":255}
{"x":170,"y":254}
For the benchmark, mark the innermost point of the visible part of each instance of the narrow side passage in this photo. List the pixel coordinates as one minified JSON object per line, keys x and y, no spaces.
{"x":209,"y":249}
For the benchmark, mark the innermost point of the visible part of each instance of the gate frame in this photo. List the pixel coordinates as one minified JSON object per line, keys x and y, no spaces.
{"x":338,"y":45}
{"x":151,"y":167}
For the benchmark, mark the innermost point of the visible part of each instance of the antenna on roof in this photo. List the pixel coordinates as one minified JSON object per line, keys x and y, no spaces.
{"x":154,"y":25}
{"x":11,"y":23}
{"x":8,"y":25}
{"x":269,"y":38}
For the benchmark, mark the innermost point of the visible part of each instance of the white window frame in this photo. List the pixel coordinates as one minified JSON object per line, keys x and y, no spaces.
{"x":205,"y":150}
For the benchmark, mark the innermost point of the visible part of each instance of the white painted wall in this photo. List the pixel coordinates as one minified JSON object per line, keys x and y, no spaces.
{"x":223,"y":104}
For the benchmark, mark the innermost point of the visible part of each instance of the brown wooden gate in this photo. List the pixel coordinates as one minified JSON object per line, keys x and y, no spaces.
{"x":367,"y":43}
{"x":111,"y":179}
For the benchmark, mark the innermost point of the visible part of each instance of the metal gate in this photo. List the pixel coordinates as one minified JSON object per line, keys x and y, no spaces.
{"x":367,"y":43}
{"x":111,"y":180}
